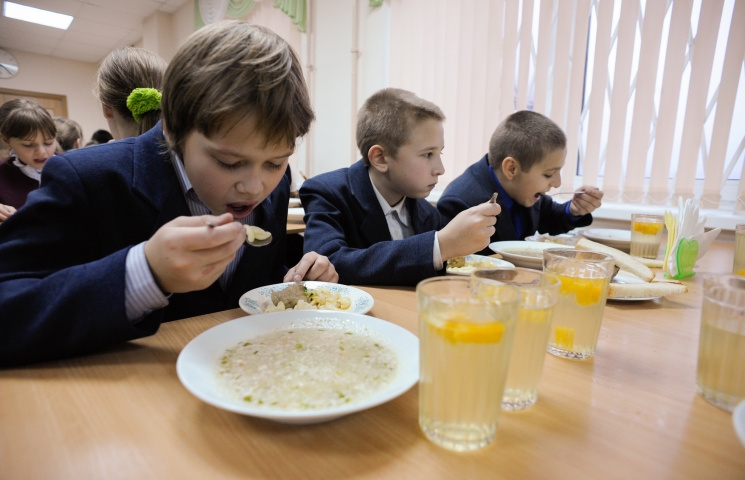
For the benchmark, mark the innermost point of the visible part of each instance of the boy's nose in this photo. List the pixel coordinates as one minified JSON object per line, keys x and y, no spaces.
{"x":250,"y":185}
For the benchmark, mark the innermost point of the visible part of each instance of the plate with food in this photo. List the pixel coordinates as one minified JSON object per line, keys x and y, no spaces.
{"x":468,"y":264}
{"x":306,"y":296}
{"x":300,"y":366}
{"x":612,"y":237}
{"x":524,"y":254}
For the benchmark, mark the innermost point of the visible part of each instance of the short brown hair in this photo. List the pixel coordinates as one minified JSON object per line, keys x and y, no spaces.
{"x":389,"y":116}
{"x":230,"y":70}
{"x":23,"y":118}
{"x":123,"y":70}
{"x":68,"y":132}
{"x":527,"y":137}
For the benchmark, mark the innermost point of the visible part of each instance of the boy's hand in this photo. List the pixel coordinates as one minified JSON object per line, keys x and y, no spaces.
{"x":585,"y":202}
{"x":186,"y":254}
{"x":470,"y":231}
{"x":313,"y":267}
{"x":6,"y":211}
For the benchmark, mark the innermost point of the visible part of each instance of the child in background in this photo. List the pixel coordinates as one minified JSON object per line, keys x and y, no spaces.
{"x":526,"y":154}
{"x":133,"y":233}
{"x":100,"y":136}
{"x":128,"y":85}
{"x":372,"y":220}
{"x":69,"y":134}
{"x":28,"y":131}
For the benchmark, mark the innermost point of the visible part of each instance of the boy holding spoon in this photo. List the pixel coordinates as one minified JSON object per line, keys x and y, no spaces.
{"x":124,"y":236}
{"x":526,"y":153}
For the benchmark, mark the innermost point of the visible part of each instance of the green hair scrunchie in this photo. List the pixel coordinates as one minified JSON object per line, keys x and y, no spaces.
{"x":143,"y":100}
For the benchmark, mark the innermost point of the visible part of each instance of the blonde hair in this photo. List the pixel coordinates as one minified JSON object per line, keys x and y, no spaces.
{"x":527,"y":137}
{"x":389,"y":116}
{"x":23,"y":118}
{"x":124,"y":70}
{"x":68,"y":132}
{"x":231,"y":70}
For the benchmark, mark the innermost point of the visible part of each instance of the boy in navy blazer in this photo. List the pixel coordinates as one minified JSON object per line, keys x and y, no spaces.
{"x":372,"y":220}
{"x":123,"y":236}
{"x":526,"y":153}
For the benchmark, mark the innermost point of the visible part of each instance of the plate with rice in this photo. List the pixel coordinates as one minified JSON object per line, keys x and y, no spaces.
{"x":300,"y":366}
{"x":306,"y":296}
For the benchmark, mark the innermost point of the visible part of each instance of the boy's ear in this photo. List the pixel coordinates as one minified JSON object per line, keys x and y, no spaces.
{"x":510,"y":167}
{"x":376,"y":155}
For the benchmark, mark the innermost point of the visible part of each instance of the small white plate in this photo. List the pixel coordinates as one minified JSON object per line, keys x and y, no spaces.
{"x":197,"y":363}
{"x":618,"y":239}
{"x":254,"y":301}
{"x":738,"y":420}
{"x":524,"y":254}
{"x":295,"y":214}
{"x":625,"y":279}
{"x":468,"y":269}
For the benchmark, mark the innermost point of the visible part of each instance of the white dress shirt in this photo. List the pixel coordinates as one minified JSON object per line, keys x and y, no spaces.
{"x":399,"y":224}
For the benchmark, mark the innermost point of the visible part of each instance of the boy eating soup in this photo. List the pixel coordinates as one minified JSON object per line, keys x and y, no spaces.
{"x":124,"y":236}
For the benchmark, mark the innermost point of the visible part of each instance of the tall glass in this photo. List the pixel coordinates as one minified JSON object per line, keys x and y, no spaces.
{"x":465,"y":345}
{"x":538,"y":294}
{"x":738,"y":265}
{"x":720,"y":375}
{"x":578,"y":313}
{"x":646,"y":234}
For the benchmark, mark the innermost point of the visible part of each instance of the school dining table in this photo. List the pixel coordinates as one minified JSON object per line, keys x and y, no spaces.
{"x":631,"y":411}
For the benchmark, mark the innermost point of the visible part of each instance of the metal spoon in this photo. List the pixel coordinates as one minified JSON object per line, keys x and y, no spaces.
{"x":564,"y":193}
{"x":255,"y":243}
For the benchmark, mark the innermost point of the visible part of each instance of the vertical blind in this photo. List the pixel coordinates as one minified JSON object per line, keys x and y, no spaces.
{"x":651,"y":94}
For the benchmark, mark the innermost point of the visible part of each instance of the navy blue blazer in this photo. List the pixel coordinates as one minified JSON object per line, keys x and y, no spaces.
{"x":476,"y":185}
{"x":62,"y":255}
{"x":344,"y":221}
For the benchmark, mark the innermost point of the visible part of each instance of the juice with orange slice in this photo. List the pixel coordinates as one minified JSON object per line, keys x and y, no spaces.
{"x":465,"y":345}
{"x":646,"y":235}
{"x":579,"y":310}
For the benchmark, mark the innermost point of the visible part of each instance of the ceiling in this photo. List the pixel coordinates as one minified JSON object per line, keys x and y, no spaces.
{"x":99,"y":27}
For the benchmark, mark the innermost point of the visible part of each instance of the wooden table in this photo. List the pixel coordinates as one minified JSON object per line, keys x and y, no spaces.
{"x":630,"y":412}
{"x":295,"y":227}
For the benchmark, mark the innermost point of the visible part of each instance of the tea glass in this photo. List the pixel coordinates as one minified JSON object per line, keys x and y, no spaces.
{"x":720,"y":373}
{"x":646,"y":234}
{"x":578,"y":313}
{"x":465,"y":345}
{"x":738,"y":264}
{"x":538,"y":294}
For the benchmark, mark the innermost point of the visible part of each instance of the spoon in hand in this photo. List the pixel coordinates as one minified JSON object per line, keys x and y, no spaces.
{"x":255,"y":236}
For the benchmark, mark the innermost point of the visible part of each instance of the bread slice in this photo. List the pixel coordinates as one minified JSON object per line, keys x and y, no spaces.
{"x":650,"y":262}
{"x":645,"y":290}
{"x":623,"y":260}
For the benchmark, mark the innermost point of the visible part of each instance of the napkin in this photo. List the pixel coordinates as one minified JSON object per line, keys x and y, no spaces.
{"x":686,"y":239}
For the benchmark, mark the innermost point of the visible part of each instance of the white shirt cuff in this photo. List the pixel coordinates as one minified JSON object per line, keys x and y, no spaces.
{"x":141,"y":294}
{"x":436,"y":255}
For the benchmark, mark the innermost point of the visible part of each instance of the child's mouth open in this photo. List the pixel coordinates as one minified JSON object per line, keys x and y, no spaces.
{"x":240,"y":210}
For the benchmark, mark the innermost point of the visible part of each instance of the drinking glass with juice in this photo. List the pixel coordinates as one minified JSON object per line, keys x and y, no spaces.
{"x":465,"y":345}
{"x":538,"y":294}
{"x":584,"y":277}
